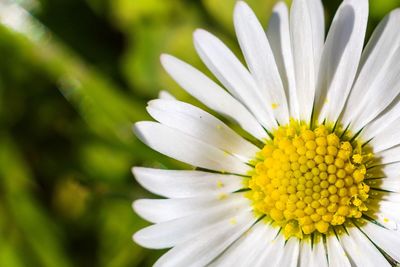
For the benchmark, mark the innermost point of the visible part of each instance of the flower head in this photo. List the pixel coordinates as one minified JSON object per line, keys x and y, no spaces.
{"x":313,"y":177}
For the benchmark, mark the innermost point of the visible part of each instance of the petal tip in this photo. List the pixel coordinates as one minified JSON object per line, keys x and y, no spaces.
{"x":242,"y":12}
{"x":200,"y":33}
{"x":280,"y":5}
{"x":136,"y":171}
{"x":136,"y":206}
{"x":138,"y":239}
{"x":136,"y":128}
{"x":165,"y":58}
{"x":241,"y":5}
{"x":133,"y":170}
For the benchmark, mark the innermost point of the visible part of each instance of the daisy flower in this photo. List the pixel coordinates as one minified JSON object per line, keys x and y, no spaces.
{"x":309,"y":176}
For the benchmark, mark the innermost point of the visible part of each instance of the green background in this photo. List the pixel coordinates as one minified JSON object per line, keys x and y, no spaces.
{"x":74,"y":77}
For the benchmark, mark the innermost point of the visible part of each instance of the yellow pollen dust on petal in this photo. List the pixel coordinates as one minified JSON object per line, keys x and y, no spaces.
{"x":308,"y":180}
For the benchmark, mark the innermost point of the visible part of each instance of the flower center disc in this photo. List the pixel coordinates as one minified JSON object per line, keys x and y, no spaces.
{"x":308,"y":180}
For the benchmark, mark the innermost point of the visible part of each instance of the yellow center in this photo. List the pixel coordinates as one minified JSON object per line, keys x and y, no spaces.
{"x":308,"y":180}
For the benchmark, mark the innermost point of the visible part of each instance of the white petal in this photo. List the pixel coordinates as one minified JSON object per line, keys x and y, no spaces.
{"x":260,"y":60}
{"x":384,"y":184}
{"x":305,"y":254}
{"x":391,"y":170}
{"x":166,"y":95}
{"x":261,"y":246}
{"x":382,"y":218}
{"x":170,"y":233}
{"x":387,"y":240}
{"x":279,"y":37}
{"x":206,"y":245}
{"x":319,"y":254}
{"x":202,"y":126}
{"x":266,"y":247}
{"x":212,"y":95}
{"x":336,"y":255}
{"x":184,"y":184}
{"x":389,"y":155}
{"x":377,"y":84}
{"x":187,"y":149}
{"x":386,"y":208}
{"x":248,"y":244}
{"x":387,"y":118}
{"x":290,"y":255}
{"x":383,"y":195}
{"x":162,"y":210}
{"x":317,"y":20}
{"x":340,"y":58}
{"x":361,"y":251}
{"x":388,"y":137}
{"x":385,"y":35}
{"x":236,"y":78}
{"x":306,"y":49}
{"x":313,"y":255}
{"x":274,"y":251}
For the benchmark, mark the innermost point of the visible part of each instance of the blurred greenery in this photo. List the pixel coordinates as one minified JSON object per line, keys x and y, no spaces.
{"x":74,"y":76}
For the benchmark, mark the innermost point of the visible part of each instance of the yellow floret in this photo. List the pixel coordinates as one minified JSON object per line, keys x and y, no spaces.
{"x":308,"y":180}
{"x":322,"y":226}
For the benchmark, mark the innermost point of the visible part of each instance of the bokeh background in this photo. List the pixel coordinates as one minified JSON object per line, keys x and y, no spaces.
{"x":74,"y":76}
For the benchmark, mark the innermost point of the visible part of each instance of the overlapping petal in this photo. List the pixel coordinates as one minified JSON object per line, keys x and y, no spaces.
{"x":260,"y":60}
{"x":233,"y":75}
{"x":378,"y":80}
{"x":278,"y":34}
{"x":307,"y":37}
{"x":202,"y":126}
{"x":188,"y":149}
{"x":340,"y":58}
{"x":212,"y":95}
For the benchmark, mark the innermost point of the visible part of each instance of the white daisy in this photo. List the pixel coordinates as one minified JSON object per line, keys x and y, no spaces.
{"x":313,"y":177}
